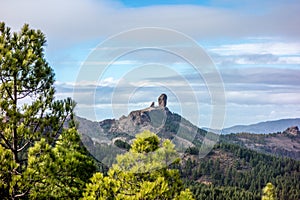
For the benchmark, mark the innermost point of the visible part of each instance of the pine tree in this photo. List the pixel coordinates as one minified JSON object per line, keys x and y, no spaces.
{"x":30,"y":117}
{"x":66,"y":167}
{"x":141,"y":173}
{"x":269,"y":192}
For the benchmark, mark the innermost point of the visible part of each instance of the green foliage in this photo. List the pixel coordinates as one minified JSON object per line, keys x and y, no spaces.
{"x":37,"y":155}
{"x":210,"y":192}
{"x":104,"y":153}
{"x":141,"y":173}
{"x":185,"y":195}
{"x":63,"y":169}
{"x":121,"y":144}
{"x":192,"y":151}
{"x":230,"y":166}
{"x":7,"y":166}
{"x":269,"y":192}
{"x":145,"y":142}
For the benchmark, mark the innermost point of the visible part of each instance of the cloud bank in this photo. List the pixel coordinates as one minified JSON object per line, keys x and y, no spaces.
{"x":76,"y":20}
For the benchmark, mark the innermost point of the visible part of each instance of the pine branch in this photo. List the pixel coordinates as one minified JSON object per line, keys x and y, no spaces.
{"x":8,"y":146}
{"x":24,"y":146}
{"x":21,"y":195}
{"x":6,"y":89}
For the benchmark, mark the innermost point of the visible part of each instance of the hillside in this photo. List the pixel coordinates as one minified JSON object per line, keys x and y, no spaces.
{"x":232,"y":172}
{"x":282,"y":143}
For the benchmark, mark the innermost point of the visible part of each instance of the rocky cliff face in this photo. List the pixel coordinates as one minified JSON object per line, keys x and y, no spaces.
{"x":294,"y":130}
{"x":152,"y":118}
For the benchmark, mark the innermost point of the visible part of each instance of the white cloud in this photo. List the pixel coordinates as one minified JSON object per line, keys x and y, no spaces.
{"x":289,"y":60}
{"x":118,"y":62}
{"x":110,"y":81}
{"x":255,"y":59}
{"x":273,"y":48}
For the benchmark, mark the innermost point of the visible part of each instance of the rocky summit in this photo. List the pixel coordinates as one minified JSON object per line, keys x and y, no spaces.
{"x":158,"y":119}
{"x":162,"y":100}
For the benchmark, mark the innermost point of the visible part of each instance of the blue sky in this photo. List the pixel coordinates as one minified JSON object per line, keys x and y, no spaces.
{"x":254,"y":45}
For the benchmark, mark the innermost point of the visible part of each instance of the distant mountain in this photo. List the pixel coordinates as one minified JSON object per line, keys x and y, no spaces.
{"x":263,"y":127}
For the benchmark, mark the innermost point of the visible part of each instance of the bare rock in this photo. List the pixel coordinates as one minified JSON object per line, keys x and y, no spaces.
{"x":152,"y":105}
{"x":162,"y":100}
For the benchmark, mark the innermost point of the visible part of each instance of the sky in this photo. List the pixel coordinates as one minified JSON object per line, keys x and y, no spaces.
{"x":235,"y":62}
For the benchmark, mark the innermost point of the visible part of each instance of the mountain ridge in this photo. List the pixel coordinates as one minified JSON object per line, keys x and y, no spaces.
{"x":159,"y":120}
{"x":111,"y":134}
{"x":265,"y":127}
{"x":183,"y":133}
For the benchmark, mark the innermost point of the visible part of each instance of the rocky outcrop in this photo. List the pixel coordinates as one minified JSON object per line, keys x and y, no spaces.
{"x":157,"y":119}
{"x":294,"y":130}
{"x":162,"y":100}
